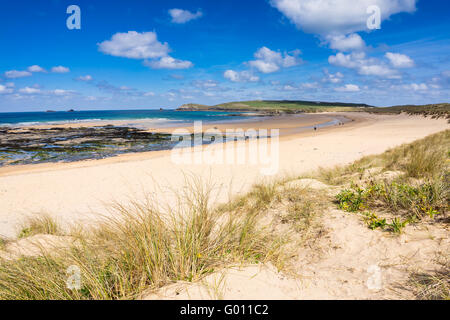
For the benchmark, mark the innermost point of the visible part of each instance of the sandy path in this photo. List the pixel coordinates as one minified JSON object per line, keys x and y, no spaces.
{"x":75,"y":191}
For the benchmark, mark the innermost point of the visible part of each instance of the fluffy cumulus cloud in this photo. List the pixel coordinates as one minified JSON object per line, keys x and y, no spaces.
{"x":337,"y":22}
{"x":14,"y":74}
{"x":378,"y":70}
{"x":268,"y":61}
{"x":7,"y":88}
{"x":352,"y":61}
{"x":60,"y":69}
{"x":134,"y":45}
{"x":363,"y":65}
{"x":183,"y":16}
{"x":168,"y":63}
{"x":36,"y":68}
{"x":346,"y":43}
{"x":348,"y":88}
{"x":400,"y":60}
{"x":29,"y":90}
{"x":332,"y":78}
{"x":326,"y":17}
{"x":143,"y":46}
{"x":243,"y":76}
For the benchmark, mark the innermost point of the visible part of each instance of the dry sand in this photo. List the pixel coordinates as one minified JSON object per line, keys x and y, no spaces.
{"x":349,"y":262}
{"x":80,"y":191}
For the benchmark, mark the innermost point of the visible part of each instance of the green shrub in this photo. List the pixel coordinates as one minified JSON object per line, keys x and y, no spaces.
{"x":414,"y":202}
{"x":351,"y":200}
{"x":373,"y":222}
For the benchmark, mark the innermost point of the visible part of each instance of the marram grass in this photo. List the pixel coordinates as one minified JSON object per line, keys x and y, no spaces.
{"x":138,"y":248}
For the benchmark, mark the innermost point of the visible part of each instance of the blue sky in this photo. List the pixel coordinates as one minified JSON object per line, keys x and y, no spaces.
{"x":150,"y":54}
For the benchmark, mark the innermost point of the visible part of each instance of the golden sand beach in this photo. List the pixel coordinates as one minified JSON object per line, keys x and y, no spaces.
{"x":75,"y":191}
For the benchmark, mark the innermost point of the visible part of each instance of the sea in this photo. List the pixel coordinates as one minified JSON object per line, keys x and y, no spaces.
{"x":156,"y":117}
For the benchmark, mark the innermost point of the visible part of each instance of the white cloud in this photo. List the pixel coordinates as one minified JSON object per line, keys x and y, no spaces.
{"x":134,"y":45}
{"x":183,"y":16}
{"x":61,"y":92}
{"x":29,"y":90}
{"x":400,"y":60}
{"x":352,"y":61}
{"x":205,"y":84}
{"x":231,"y":75}
{"x":5,"y":89}
{"x":337,"y":16}
{"x":243,"y":76}
{"x":149,"y":94}
{"x":310,"y":85}
{"x":36,"y":68}
{"x":346,"y":43}
{"x":363,"y":65}
{"x":332,"y":78}
{"x":14,"y":74}
{"x":269,"y":61}
{"x":84,"y":78}
{"x":60,"y":69}
{"x":289,"y":87}
{"x":378,"y":70}
{"x":168,"y":63}
{"x":348,"y":88}
{"x":416,"y":87}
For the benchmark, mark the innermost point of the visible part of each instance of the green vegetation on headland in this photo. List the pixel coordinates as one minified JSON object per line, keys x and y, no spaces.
{"x":139,"y":249}
{"x":270,"y":106}
{"x":287,"y":106}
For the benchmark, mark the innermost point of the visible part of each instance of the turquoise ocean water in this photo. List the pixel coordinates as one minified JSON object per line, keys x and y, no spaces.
{"x":163,"y":117}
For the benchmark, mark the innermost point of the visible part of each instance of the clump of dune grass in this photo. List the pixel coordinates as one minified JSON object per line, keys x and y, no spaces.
{"x":264,"y":194}
{"x":433,"y":285}
{"x":139,"y":248}
{"x":421,"y":190}
{"x":425,"y":158}
{"x":302,"y":208}
{"x":3,"y":243}
{"x":39,"y":224}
